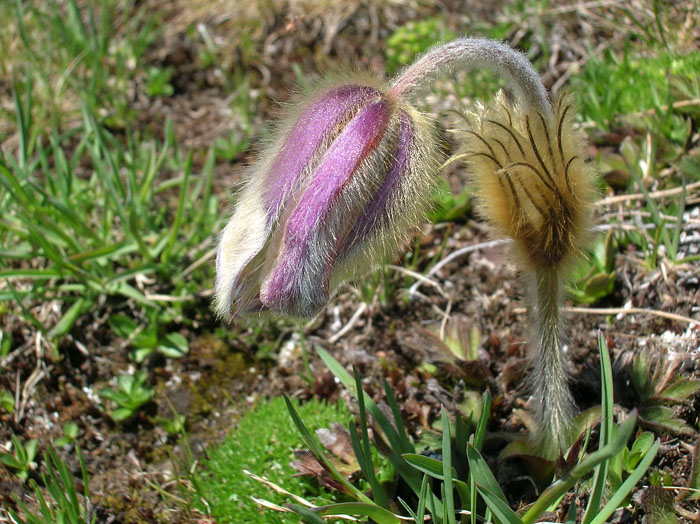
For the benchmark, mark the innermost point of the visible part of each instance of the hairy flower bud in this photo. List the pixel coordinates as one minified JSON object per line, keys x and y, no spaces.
{"x":532,"y":179}
{"x":334,"y":195}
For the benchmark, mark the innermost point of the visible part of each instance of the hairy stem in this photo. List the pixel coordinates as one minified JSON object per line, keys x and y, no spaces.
{"x":476,"y":53}
{"x":552,"y":401}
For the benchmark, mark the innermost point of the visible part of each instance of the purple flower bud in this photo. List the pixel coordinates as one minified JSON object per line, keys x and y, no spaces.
{"x":333,"y":197}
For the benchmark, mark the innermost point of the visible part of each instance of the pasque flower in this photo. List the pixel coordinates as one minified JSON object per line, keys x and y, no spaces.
{"x":350,"y":174}
{"x":333,"y":195}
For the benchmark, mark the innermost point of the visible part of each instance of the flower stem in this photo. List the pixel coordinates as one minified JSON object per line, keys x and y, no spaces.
{"x":552,"y":401}
{"x":475,"y":53}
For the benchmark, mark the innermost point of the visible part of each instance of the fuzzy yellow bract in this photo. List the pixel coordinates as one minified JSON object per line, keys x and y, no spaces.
{"x":532,"y":178}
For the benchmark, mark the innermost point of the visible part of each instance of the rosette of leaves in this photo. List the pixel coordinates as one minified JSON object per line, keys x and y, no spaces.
{"x":594,"y":279}
{"x":659,"y":384}
{"x":150,"y":337}
{"x":132,"y":392}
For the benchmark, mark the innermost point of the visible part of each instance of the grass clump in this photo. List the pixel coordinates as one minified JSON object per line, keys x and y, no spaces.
{"x":61,"y":500}
{"x":262,"y":443}
{"x":451,"y":489}
{"x":612,"y":86}
{"x":82,"y":225}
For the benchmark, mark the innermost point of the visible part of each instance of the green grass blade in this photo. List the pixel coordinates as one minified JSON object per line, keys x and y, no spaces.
{"x":378,"y":492}
{"x":422,"y":497}
{"x":128,"y":291}
{"x":447,"y":468}
{"x":408,"y":509}
{"x":376,"y":513}
{"x":482,"y":473}
{"x":83,"y":472}
{"x":315,"y":448}
{"x":21,"y":124}
{"x":675,"y":242}
{"x":500,"y":509}
{"x":147,"y":182}
{"x":398,"y":421}
{"x":208,"y":177}
{"x":34,"y":274}
{"x":427,"y":465}
{"x":175,"y":230}
{"x":111,"y":251}
{"x":606,"y":430}
{"x":561,"y":486}
{"x":409,"y":474}
{"x":434,"y":468}
{"x":627,"y":486}
{"x":483,"y":421}
{"x":68,"y":319}
{"x":478,"y":443}
{"x":307,"y":514}
{"x":381,"y":419}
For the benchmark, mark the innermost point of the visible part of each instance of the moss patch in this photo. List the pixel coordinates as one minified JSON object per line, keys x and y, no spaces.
{"x":263,"y":443}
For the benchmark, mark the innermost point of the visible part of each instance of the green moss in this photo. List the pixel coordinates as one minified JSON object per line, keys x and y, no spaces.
{"x":263,"y":443}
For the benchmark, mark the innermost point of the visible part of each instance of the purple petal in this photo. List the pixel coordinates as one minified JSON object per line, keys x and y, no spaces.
{"x":299,"y":281}
{"x":314,"y":127}
{"x":376,"y":214}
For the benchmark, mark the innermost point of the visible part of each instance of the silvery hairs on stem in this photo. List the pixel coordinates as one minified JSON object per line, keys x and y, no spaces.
{"x":349,"y":174}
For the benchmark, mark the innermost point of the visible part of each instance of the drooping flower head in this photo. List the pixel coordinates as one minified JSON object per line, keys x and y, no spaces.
{"x":335,"y":193}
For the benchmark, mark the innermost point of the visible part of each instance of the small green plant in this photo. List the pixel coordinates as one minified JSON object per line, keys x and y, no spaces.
{"x":229,"y":147}
{"x":174,"y":426}
{"x":382,"y":286}
{"x":97,"y":235}
{"x":449,"y":207}
{"x":158,"y":81}
{"x":7,"y":401}
{"x":70,"y":433}
{"x":627,"y":461}
{"x":90,"y":51}
{"x":132,"y":392}
{"x":150,"y":337}
{"x":594,"y":277}
{"x":659,"y":385}
{"x":21,"y":460}
{"x":660,"y":236}
{"x":64,"y":504}
{"x":5,"y":344}
{"x":412,"y":39}
{"x":612,"y":87}
{"x":261,"y":444}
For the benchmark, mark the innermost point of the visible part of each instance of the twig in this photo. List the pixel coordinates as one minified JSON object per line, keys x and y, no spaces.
{"x":443,"y":324}
{"x":270,"y":505}
{"x":278,"y":489}
{"x":347,"y":327}
{"x":194,"y":265}
{"x":676,"y":105}
{"x":419,"y":277}
{"x":640,"y":196}
{"x":452,"y":256}
{"x":631,"y":311}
